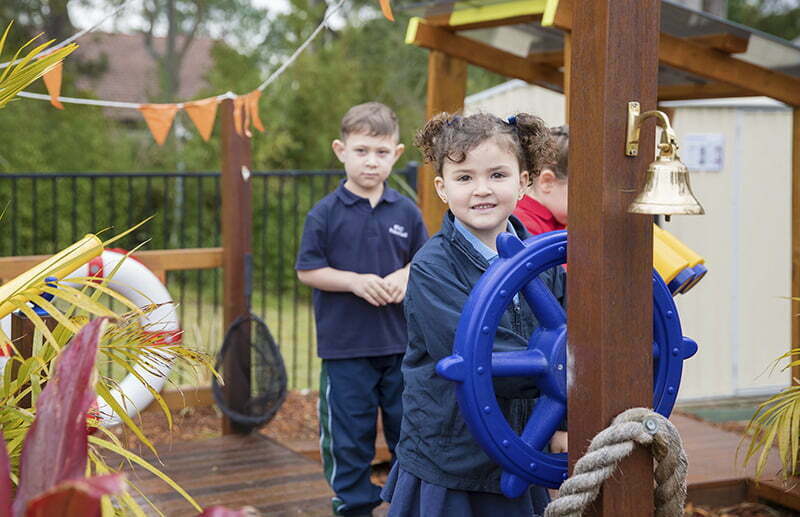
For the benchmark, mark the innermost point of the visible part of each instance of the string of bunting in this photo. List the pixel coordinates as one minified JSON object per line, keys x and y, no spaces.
{"x":202,"y":112}
{"x":72,"y":38}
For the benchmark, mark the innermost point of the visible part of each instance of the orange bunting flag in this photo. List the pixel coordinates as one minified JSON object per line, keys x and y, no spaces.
{"x":52,"y":81}
{"x":239,"y":123}
{"x":252,"y":103}
{"x":159,"y":119}
{"x":386,"y":9}
{"x":203,"y":113}
{"x":245,"y":113}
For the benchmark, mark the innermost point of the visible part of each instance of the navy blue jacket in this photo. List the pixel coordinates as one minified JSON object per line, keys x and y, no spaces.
{"x":435,"y":444}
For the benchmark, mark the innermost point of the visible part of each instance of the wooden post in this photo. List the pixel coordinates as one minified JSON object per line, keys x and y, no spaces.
{"x":567,"y":72}
{"x":614,"y":60}
{"x":447,"y":87}
{"x":795,"y":305}
{"x":236,"y":239}
{"x":22,"y":331}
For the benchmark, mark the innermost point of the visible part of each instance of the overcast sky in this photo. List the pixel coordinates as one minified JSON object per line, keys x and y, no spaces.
{"x":85,"y":16}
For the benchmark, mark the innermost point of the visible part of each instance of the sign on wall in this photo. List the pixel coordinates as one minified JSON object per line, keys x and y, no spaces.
{"x":703,"y":151}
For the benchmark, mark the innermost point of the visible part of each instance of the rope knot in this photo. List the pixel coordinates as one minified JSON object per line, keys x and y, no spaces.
{"x":635,"y":426}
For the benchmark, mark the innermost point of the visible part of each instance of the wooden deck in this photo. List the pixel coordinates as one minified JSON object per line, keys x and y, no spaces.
{"x":716,"y":476}
{"x":236,"y":471}
{"x":253,"y":470}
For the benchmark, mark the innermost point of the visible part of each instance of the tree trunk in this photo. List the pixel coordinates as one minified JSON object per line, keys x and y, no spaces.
{"x":170,"y":62}
{"x":57,"y":23}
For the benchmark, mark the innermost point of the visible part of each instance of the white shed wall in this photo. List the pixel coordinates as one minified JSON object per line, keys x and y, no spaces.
{"x":515,"y":97}
{"x":739,"y":314}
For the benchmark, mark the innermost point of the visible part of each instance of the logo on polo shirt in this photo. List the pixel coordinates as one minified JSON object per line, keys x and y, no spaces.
{"x":399,"y":231}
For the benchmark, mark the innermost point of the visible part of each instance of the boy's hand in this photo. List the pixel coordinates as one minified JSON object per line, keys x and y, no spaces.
{"x":559,"y":442}
{"x":397,"y":282}
{"x":374,"y":289}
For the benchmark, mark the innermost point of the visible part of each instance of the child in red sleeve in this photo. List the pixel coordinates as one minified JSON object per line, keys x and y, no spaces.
{"x":544,"y":206}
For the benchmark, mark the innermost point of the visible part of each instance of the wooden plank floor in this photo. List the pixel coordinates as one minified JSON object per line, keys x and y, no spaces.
{"x":236,"y":471}
{"x":715,"y":467}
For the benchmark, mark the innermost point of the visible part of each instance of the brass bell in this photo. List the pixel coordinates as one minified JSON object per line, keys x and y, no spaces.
{"x":667,"y":190}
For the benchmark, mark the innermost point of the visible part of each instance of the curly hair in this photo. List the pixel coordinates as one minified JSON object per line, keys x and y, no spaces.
{"x":450,"y":137}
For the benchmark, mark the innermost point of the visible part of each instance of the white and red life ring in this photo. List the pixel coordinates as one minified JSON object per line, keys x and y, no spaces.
{"x":142,"y":287}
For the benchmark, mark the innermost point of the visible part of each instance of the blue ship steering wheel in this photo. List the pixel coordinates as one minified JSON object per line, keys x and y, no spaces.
{"x":473,"y":364}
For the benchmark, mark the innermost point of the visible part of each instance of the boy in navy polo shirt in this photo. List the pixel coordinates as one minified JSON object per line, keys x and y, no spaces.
{"x":357,"y":245}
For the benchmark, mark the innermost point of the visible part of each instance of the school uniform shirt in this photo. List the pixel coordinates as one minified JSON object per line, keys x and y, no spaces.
{"x":536,"y":217}
{"x":343,"y":231}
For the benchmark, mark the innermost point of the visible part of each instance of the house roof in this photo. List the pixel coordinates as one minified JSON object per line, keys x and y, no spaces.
{"x":128,"y":73}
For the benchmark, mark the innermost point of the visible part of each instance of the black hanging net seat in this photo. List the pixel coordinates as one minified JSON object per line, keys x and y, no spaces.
{"x":265,"y":372}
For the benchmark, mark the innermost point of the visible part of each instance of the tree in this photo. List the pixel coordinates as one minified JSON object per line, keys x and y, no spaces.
{"x":778,"y":17}
{"x":363,"y":58}
{"x":179,"y":22}
{"x":35,"y":16}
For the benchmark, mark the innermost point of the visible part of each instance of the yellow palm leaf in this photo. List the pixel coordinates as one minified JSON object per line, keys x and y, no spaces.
{"x":133,"y":458}
{"x":17,"y":77}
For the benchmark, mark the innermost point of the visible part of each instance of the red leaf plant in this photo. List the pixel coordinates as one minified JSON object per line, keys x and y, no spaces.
{"x":52,"y":468}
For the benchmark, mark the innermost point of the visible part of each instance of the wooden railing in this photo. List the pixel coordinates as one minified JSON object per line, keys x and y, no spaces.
{"x":157,"y":261}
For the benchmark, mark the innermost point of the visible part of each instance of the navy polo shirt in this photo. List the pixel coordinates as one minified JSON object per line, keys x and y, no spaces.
{"x":345,"y":232}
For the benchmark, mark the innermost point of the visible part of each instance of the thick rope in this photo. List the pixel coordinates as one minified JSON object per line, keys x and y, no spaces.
{"x":609,"y":446}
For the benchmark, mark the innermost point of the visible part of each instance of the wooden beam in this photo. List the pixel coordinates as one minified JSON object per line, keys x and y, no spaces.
{"x":480,"y":54}
{"x":677,"y":92}
{"x":724,"y":42}
{"x":542,"y":68}
{"x":610,"y":311}
{"x":180,"y":259}
{"x":795,"y":224}
{"x":704,"y":61}
{"x":558,"y":15}
{"x":447,"y":87}
{"x":236,"y":240}
{"x":552,"y":58}
{"x":718,"y":66}
{"x":567,"y":73}
{"x":727,"y":43}
{"x":22,"y":335}
{"x":770,"y":493}
{"x":155,"y":260}
{"x":186,"y":396}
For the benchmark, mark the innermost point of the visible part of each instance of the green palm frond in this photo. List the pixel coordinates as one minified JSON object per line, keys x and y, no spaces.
{"x":126,"y":344}
{"x":776,"y":422}
{"x":17,"y":77}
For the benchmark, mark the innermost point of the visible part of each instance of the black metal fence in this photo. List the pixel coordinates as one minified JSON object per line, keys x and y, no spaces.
{"x":45,"y":212}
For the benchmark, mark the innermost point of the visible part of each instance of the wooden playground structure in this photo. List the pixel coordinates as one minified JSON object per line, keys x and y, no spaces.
{"x":611,"y":54}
